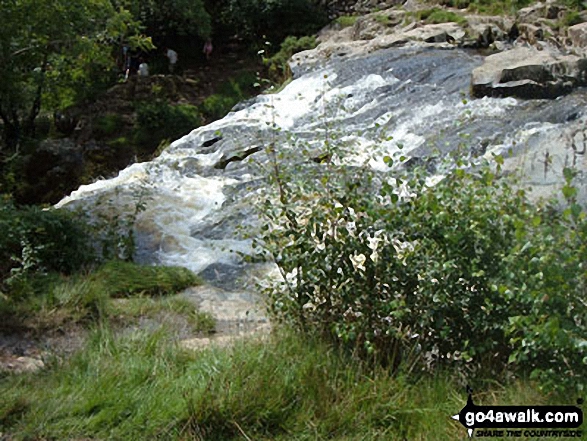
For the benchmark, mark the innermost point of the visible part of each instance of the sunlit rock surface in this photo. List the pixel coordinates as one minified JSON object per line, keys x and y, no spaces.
{"x":199,"y":214}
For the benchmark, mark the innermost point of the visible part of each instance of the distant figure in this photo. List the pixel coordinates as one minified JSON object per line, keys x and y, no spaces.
{"x":127,"y":61}
{"x":143,"y":69}
{"x":172,"y":55}
{"x":208,"y":48}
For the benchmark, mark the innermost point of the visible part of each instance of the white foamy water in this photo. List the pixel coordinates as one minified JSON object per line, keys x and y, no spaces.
{"x":195,"y":208}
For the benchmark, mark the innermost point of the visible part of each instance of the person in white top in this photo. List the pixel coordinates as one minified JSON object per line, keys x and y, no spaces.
{"x":172,"y":55}
{"x":143,"y":69}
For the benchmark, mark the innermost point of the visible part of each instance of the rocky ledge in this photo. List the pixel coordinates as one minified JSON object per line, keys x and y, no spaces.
{"x":535,"y":54}
{"x":526,"y":72}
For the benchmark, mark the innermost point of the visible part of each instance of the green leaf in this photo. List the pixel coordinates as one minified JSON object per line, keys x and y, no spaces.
{"x":569,"y":192}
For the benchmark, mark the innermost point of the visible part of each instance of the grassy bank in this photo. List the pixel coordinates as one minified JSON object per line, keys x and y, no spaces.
{"x":143,"y":386}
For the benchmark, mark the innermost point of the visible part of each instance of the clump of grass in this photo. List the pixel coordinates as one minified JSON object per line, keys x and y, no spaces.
{"x":142,"y":386}
{"x":572,"y":18}
{"x":346,"y":21}
{"x":47,"y":301}
{"x":493,"y":7}
{"x":382,"y":19}
{"x":134,"y":308}
{"x":436,"y":16}
{"x":125,"y":279}
{"x":229,"y":94}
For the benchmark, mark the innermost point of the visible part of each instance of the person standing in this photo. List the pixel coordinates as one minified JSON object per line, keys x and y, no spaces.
{"x":208,"y":48}
{"x":143,"y":68}
{"x":172,"y":55}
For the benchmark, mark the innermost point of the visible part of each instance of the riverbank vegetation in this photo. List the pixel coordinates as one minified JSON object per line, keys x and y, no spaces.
{"x":398,"y":289}
{"x":141,"y":386}
{"x":389,"y":307}
{"x":466,"y":273}
{"x":58,"y":270}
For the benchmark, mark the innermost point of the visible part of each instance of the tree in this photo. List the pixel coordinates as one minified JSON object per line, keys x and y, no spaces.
{"x":166,"y":19}
{"x":54,"y":49}
{"x":274,"y":19}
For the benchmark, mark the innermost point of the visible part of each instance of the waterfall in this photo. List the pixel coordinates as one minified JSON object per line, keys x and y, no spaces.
{"x":414,"y":98}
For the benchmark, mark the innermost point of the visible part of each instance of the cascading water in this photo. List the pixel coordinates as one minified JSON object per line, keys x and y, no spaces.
{"x":416,"y":97}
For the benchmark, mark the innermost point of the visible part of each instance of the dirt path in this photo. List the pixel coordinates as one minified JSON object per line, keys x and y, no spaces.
{"x":238,"y":314}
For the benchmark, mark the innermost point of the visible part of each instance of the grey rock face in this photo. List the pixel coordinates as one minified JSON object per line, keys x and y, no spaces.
{"x":528,"y":73}
{"x":578,"y":35}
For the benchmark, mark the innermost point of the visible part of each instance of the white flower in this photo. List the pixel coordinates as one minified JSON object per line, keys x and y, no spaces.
{"x":292,"y":276}
{"x":351,"y":228}
{"x":309,"y":306}
{"x":402,"y":248}
{"x":358,"y":261}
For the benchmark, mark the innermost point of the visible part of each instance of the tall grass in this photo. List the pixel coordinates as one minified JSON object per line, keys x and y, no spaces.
{"x":143,"y":386}
{"x":47,"y":301}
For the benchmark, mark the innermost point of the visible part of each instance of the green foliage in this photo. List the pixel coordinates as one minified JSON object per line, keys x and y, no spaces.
{"x":577,"y":4}
{"x":113,"y":225}
{"x":39,"y":302}
{"x":465,"y":272}
{"x":572,"y":18}
{"x":499,"y":7}
{"x":346,"y":21}
{"x":382,"y":19}
{"x":216,"y":106}
{"x":436,"y":16}
{"x":278,"y":67}
{"x":275,"y":19}
{"x":494,"y":7}
{"x":125,"y":279}
{"x":108,"y":125}
{"x":159,"y":120}
{"x":36,"y":240}
{"x":283,"y":388}
{"x":165,"y":19}
{"x":160,"y":308}
{"x":229,"y":94}
{"x":54,"y":53}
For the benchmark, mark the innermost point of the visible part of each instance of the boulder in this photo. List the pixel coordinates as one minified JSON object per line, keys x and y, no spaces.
{"x":532,"y":12}
{"x":526,"y":72}
{"x":481,"y":35}
{"x":531,"y":33}
{"x":578,"y":35}
{"x":436,"y":33}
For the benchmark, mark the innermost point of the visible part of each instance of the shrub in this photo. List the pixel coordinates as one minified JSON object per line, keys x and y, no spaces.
{"x":275,"y":19}
{"x":498,"y":7}
{"x":278,"y":66}
{"x":229,"y":94}
{"x":108,"y":125}
{"x":464,"y":272}
{"x":159,"y":120}
{"x":41,"y":240}
{"x":217,"y":105}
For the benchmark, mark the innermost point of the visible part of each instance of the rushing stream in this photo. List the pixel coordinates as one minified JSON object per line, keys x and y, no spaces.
{"x":419,"y":97}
